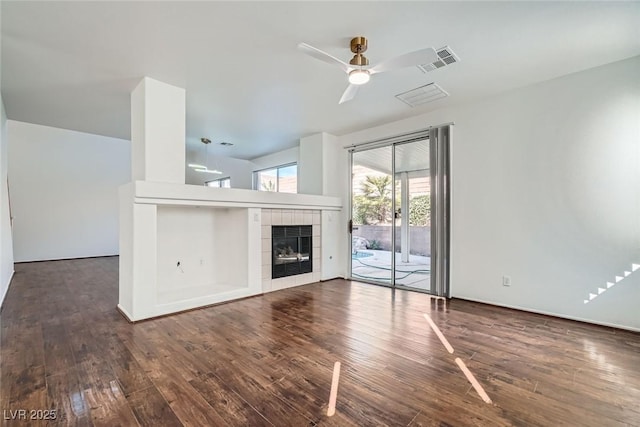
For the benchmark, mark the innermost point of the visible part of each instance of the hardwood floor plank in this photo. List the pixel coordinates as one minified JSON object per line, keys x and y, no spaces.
{"x":151,"y":409}
{"x":268,"y":360}
{"x":228,"y":404}
{"x":67,"y":397}
{"x":103,"y":395}
{"x":188,"y":405}
{"x":102,"y":413}
{"x":126,"y":369}
{"x":256,"y":394}
{"x":309,"y":399}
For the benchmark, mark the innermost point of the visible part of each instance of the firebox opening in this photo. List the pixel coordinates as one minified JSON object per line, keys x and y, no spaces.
{"x":292,"y":250}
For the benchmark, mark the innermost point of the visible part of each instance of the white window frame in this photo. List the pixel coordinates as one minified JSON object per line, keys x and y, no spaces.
{"x":219,"y":181}
{"x":256,"y":184}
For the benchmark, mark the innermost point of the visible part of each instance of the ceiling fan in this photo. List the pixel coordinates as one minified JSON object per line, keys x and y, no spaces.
{"x":358,"y":68}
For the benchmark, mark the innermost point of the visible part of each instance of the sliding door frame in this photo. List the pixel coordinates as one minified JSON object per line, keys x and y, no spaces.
{"x":440,"y":165}
{"x":439,"y":138}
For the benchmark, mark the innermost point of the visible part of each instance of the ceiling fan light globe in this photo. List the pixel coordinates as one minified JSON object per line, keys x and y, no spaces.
{"x":359,"y":77}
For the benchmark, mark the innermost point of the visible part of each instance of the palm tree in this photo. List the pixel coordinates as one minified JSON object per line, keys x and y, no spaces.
{"x":377,"y":192}
{"x":269,"y":186}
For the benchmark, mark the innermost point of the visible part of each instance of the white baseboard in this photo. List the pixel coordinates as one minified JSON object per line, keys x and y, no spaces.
{"x":28,"y":260}
{"x":548,"y":313}
{"x":7,"y":288}
{"x":125,"y":313}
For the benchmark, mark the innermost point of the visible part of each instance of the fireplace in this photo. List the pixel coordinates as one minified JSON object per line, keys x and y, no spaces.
{"x":292,"y":250}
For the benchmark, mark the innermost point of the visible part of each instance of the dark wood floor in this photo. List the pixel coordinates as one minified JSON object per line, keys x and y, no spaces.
{"x":268,"y":360}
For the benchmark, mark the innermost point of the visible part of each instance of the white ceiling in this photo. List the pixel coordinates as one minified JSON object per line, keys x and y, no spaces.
{"x":72,"y":64}
{"x":409,"y":157}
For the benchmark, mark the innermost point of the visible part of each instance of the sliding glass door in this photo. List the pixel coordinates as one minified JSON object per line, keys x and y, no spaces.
{"x":372,"y":215}
{"x":413,"y":214}
{"x":398,"y":224}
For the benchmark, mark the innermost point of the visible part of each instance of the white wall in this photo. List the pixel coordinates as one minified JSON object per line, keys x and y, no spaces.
{"x":545,"y":189}
{"x":321,"y":166}
{"x":333,"y":253}
{"x":6,"y":240}
{"x":323,"y":169}
{"x":240,"y":171}
{"x":335,"y":169}
{"x":64,"y":191}
{"x":211,"y":247}
{"x":310,"y":164}
{"x":290,"y":155}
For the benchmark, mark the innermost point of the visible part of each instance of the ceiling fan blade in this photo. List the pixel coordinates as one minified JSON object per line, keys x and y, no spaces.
{"x":349,"y":93}
{"x":422,"y":56}
{"x":324,"y":56}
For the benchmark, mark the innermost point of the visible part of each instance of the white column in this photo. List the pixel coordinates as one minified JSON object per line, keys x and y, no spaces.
{"x":158,"y":130}
{"x":254,"y":245}
{"x":310,"y":171}
{"x":138,"y":260}
{"x":320,"y":165}
{"x":322,"y":170}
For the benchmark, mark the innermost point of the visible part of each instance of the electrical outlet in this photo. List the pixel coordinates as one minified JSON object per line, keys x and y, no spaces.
{"x":506,"y":280}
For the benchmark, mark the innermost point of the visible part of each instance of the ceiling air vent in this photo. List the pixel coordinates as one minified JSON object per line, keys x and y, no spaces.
{"x":446,"y":57}
{"x":422,"y":95}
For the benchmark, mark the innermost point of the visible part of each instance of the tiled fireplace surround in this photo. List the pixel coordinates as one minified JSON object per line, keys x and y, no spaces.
{"x":272,"y":217}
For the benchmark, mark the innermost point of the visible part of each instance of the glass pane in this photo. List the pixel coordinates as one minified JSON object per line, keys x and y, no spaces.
{"x":267,"y":180}
{"x":372,"y":215}
{"x":225,"y":183}
{"x":413,"y":215}
{"x":288,"y":179}
{"x":215,"y":183}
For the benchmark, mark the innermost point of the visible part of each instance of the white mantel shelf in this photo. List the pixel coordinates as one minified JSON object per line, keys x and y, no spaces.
{"x":160,"y":193}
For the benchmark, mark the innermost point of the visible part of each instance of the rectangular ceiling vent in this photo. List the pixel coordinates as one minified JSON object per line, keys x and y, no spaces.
{"x":422,"y":95}
{"x":446,"y":57}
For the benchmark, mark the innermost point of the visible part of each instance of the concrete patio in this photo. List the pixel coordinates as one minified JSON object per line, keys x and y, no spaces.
{"x":370,"y":264}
